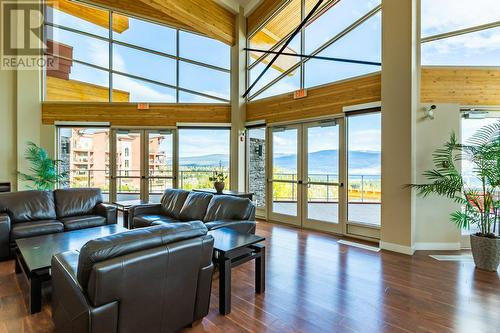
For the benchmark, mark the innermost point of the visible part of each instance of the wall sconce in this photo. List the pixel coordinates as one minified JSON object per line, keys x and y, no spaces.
{"x":429,"y":111}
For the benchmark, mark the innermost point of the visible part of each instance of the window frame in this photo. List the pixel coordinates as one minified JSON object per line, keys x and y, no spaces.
{"x":111,"y":42}
{"x":302,"y":61}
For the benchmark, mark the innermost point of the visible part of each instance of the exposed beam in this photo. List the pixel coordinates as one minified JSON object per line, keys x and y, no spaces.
{"x":127,"y":114}
{"x":206,"y":17}
{"x":202,"y":16}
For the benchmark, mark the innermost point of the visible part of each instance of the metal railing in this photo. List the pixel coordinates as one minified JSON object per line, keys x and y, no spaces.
{"x":128,"y":181}
{"x":361,"y":188}
{"x":189,"y":179}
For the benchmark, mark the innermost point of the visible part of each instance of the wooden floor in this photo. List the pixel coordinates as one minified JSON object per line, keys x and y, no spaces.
{"x":315,"y":284}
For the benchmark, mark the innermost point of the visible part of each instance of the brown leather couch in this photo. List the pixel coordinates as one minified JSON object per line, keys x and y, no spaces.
{"x":216,"y":211}
{"x":155,"y":279}
{"x":34,"y":213}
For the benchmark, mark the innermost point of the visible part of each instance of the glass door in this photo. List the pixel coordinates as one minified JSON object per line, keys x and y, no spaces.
{"x":285,"y":172}
{"x":160,"y":161}
{"x":143,"y":164}
{"x":321,"y":165}
{"x":128,"y":165}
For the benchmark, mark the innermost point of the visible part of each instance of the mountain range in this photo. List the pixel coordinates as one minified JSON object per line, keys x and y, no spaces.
{"x":321,"y":162}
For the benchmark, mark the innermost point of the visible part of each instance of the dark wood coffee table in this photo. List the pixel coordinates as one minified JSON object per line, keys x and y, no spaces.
{"x":232,"y":248}
{"x":34,"y":255}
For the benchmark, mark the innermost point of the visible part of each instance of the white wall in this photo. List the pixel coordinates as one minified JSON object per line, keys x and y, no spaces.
{"x":8,"y":146}
{"x":433,"y":229}
{"x":20,"y":122}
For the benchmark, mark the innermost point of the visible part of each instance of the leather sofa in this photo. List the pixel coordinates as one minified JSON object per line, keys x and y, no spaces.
{"x":216,"y":211}
{"x":155,"y":279}
{"x":34,"y":213}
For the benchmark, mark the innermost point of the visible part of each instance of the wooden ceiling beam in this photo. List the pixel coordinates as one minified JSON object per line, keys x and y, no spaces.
{"x":205,"y":17}
{"x":202,"y":16}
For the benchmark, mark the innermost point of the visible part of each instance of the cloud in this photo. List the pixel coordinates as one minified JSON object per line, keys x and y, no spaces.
{"x":439,"y":16}
{"x":368,"y":140}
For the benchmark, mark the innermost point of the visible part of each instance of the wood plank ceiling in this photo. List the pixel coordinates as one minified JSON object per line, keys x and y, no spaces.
{"x":202,"y":16}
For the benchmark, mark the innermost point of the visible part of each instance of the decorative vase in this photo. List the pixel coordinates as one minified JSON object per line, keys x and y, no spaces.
{"x":486,"y":252}
{"x":219,"y":186}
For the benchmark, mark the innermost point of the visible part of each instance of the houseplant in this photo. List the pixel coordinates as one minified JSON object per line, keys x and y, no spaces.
{"x":44,"y":170}
{"x":218,"y":178}
{"x":479,"y":197}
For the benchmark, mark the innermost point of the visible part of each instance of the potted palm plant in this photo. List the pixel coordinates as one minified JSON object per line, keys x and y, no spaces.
{"x":479,"y":195}
{"x":44,"y":170}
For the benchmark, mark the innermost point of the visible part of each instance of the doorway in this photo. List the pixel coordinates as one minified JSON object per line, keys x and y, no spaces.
{"x":305,"y":168}
{"x":142,"y":163}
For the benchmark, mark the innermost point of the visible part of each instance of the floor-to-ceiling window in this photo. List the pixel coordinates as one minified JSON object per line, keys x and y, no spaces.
{"x":364,"y":168}
{"x":341,"y":40}
{"x":202,"y":153}
{"x":84,"y":153}
{"x":104,"y":56}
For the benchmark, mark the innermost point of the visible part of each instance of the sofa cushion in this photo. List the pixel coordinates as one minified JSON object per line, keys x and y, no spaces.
{"x":28,"y":205}
{"x":225,"y":207}
{"x":148,"y":220}
{"x":195,"y":206}
{"x":82,"y":222}
{"x":76,"y":201}
{"x":36,"y":228}
{"x":172,"y":202}
{"x":117,"y":245}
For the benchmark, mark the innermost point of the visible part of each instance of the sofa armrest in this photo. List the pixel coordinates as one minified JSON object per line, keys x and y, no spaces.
{"x":69,"y":304}
{"x":244,"y":226}
{"x":70,"y":308}
{"x":4,"y":236}
{"x":150,"y":209}
{"x":107,"y":211}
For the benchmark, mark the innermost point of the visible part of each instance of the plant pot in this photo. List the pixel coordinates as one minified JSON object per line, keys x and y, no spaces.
{"x":219,"y":186}
{"x":486,"y":252}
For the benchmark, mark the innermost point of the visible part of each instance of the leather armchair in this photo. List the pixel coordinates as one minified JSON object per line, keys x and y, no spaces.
{"x":146,"y":280}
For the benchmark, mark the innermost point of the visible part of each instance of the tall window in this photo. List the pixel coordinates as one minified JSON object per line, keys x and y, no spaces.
{"x":202,"y":152}
{"x":364,"y":168}
{"x":346,"y":34}
{"x":468,"y":35}
{"x":105,"y":56}
{"x":84,"y":153}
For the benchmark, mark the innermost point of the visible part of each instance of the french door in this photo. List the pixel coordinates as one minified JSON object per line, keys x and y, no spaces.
{"x":306,"y":175}
{"x":142,"y":163}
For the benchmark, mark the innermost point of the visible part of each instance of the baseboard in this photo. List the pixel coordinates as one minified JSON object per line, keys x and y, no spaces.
{"x":437,"y":246}
{"x":397,"y":248}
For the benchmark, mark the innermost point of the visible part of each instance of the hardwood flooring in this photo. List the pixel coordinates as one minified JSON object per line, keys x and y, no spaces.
{"x":315,"y":284}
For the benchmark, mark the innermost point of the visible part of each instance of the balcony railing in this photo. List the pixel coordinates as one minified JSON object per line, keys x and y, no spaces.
{"x":129,"y":181}
{"x":361,"y":188}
